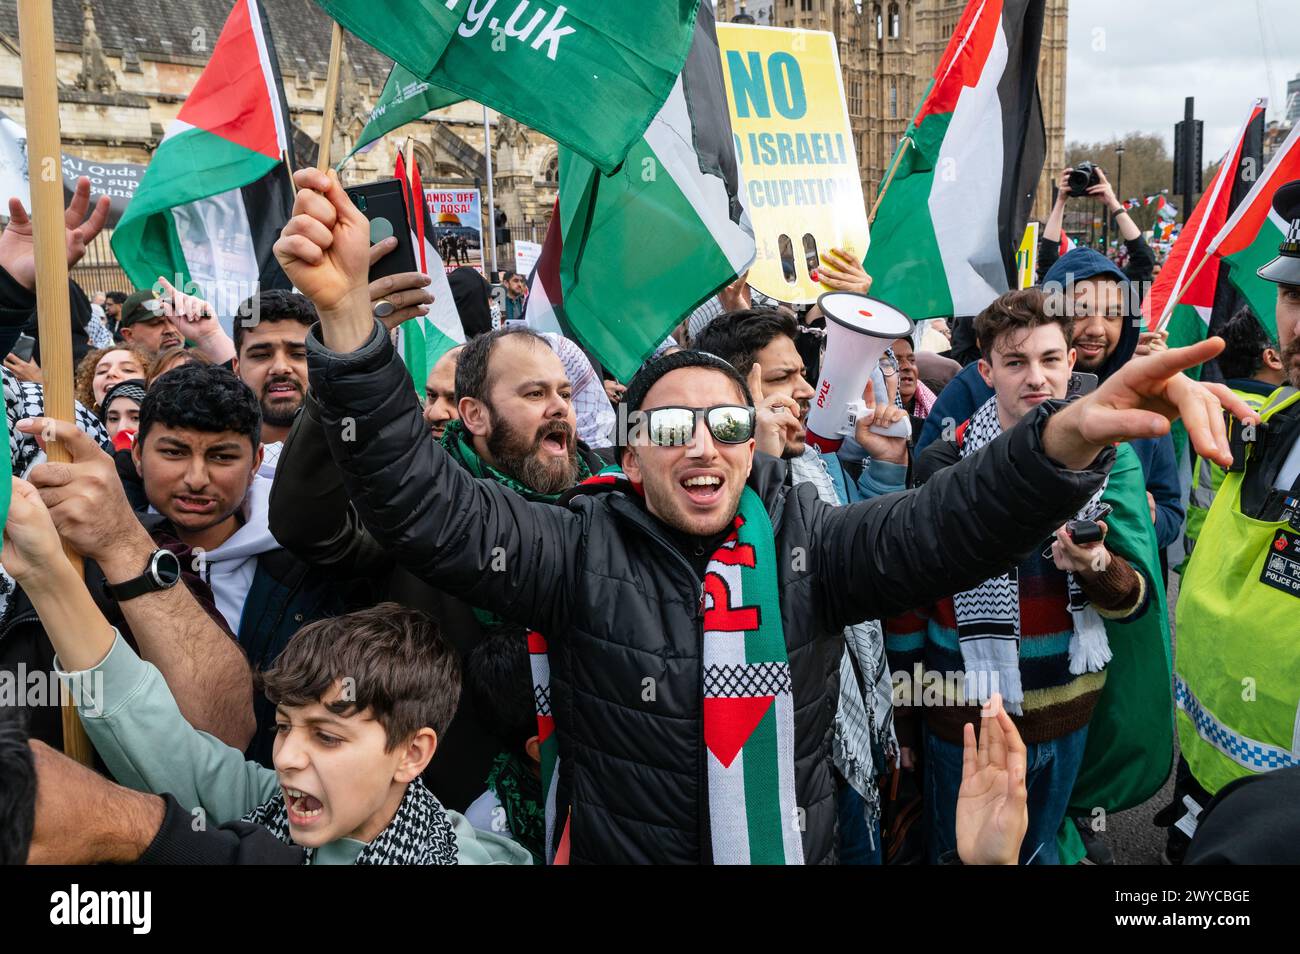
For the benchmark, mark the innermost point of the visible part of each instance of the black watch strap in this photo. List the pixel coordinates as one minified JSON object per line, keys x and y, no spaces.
{"x":162,"y":573}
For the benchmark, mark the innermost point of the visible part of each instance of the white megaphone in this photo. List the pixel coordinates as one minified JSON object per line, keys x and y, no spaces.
{"x":859,"y":330}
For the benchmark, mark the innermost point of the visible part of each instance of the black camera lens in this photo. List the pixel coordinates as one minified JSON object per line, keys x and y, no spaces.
{"x":1082,"y":178}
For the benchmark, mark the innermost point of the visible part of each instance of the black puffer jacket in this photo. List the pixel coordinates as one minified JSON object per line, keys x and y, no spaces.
{"x":619,"y":604}
{"x":311,"y":516}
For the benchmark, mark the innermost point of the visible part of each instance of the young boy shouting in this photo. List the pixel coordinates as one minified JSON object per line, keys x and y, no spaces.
{"x":360,"y":702}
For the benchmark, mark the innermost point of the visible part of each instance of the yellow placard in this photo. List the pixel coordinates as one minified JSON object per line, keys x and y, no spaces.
{"x":795,"y":144}
{"x":1027,"y":257}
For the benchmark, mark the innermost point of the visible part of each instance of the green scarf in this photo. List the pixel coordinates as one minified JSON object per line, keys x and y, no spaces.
{"x":456,"y":441}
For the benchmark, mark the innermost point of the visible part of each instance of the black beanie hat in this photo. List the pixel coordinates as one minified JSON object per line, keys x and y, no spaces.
{"x":656,"y":368}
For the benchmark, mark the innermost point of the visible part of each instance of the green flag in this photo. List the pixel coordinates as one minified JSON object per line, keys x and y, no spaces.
{"x":405,"y":98}
{"x":588,"y":73}
{"x":629,"y":255}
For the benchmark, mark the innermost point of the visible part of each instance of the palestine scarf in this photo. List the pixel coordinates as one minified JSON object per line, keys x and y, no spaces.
{"x":748,"y":702}
{"x":419,"y":834}
{"x":988,"y":616}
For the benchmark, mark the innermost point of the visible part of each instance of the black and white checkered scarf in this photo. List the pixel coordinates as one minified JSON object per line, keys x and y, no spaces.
{"x":24,"y":399}
{"x":988,"y":615}
{"x":419,"y":834}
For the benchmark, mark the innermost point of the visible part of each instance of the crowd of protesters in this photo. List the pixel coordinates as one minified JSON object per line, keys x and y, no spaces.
{"x":527,"y":613}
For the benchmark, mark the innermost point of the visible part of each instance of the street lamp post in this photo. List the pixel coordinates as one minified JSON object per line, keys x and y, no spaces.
{"x":1119,"y":176}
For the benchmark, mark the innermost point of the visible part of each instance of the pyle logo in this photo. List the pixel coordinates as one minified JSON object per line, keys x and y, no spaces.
{"x":75,"y":907}
{"x":821,"y":394}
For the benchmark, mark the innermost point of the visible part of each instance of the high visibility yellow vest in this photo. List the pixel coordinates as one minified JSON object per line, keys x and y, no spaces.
{"x":1237,"y":663}
{"x":1207,"y":478}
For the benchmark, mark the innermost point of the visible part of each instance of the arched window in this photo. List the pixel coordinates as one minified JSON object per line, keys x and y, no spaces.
{"x":551,"y":171}
{"x":893,"y":100}
{"x":880,"y":24}
{"x":895,"y":22}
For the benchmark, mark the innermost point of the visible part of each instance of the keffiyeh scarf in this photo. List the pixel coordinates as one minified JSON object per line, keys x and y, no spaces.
{"x":26,"y":399}
{"x":419,"y":834}
{"x":988,"y":616}
{"x":863,"y":728}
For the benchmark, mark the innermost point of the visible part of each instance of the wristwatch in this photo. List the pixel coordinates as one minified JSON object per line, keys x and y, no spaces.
{"x":162,"y":573}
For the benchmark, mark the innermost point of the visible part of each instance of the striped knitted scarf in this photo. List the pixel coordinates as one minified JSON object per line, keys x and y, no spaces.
{"x":988,"y":615}
{"x":748,"y":702}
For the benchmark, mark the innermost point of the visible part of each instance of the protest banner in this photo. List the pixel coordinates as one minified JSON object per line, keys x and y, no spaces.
{"x":117,"y":180}
{"x":795,"y":145}
{"x":526,"y":256}
{"x":457,"y":216}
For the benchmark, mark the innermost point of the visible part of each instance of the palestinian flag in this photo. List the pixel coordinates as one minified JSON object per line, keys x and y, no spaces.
{"x":426,"y":338}
{"x":545,"y":297}
{"x":588,"y":73}
{"x":667,"y":231}
{"x":945,"y":237}
{"x":1251,"y":236}
{"x":217,"y":192}
{"x":1188,"y":322}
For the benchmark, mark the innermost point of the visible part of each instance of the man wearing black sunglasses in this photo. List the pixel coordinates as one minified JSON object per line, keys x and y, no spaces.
{"x":690,"y":711}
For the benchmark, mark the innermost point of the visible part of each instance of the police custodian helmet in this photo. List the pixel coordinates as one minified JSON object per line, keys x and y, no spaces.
{"x":1285,"y":269}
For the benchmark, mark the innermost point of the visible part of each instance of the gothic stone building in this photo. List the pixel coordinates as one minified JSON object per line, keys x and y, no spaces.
{"x":888,"y":52}
{"x":125,"y":67}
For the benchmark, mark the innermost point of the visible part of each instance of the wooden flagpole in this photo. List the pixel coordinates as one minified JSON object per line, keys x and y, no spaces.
{"x":331,"y":97}
{"x":1173,"y":302}
{"x":884,"y":186}
{"x":45,"y":171}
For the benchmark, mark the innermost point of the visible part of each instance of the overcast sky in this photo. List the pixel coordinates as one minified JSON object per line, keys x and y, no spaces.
{"x":1133,"y":62}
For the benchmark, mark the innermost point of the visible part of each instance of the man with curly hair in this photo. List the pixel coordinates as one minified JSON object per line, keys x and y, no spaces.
{"x":198,"y":451}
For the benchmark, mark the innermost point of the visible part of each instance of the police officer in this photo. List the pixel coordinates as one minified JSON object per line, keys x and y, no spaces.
{"x":1237,"y":678}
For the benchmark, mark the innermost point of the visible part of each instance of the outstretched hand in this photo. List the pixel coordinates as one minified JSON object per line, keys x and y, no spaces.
{"x":17,"y":242}
{"x":992,"y":803}
{"x":1141,"y":399}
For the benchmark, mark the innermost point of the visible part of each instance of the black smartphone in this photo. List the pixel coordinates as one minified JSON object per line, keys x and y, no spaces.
{"x":1087,"y":531}
{"x":383,"y":202}
{"x":1081,"y":383}
{"x":23,"y":347}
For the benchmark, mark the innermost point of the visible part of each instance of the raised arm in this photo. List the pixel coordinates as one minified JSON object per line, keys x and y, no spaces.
{"x":967,"y":523}
{"x":205,"y":669}
{"x":125,"y":705}
{"x":468,"y":537}
{"x":976,"y":518}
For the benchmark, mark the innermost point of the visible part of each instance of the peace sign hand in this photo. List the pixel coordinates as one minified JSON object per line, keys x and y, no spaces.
{"x":777,"y":415}
{"x":880,"y":446}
